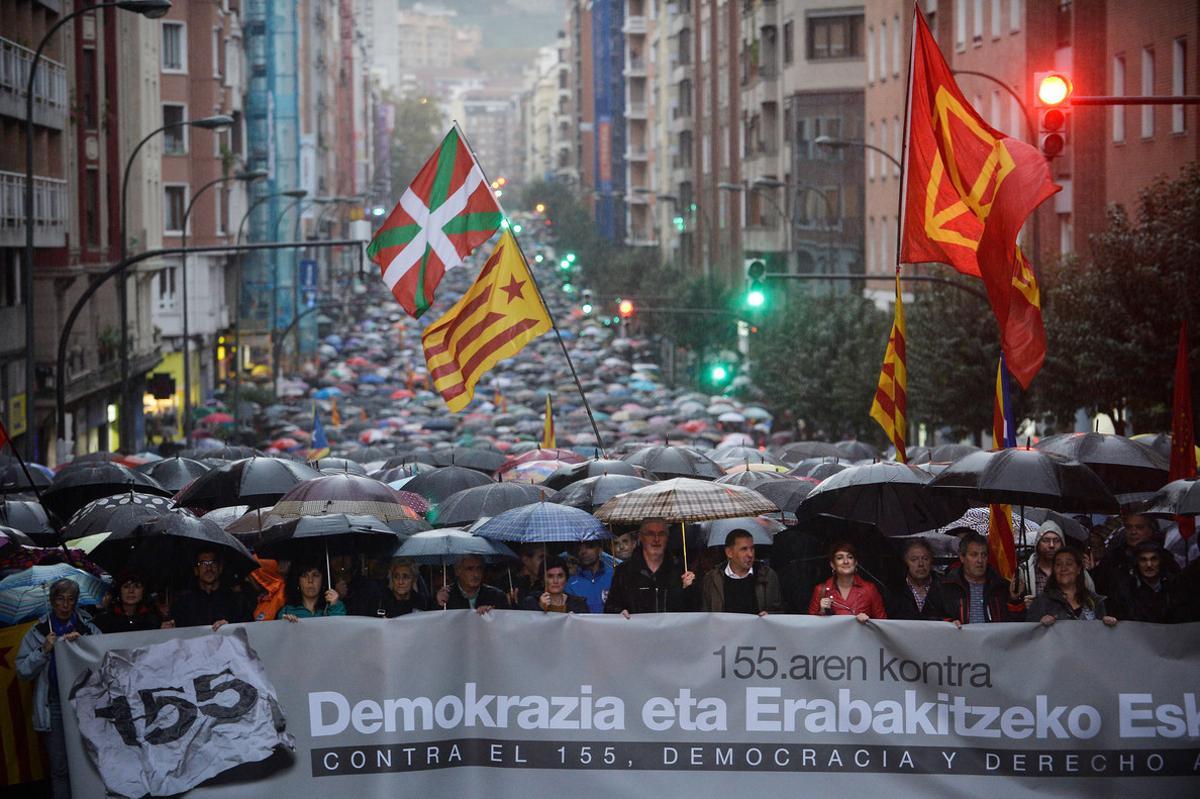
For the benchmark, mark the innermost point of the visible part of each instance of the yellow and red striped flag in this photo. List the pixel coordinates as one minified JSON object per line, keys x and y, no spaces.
{"x":548,"y":439}
{"x":494,"y":320}
{"x":21,"y":757}
{"x":335,"y":417}
{"x":891,"y":398}
{"x":1002,"y":550}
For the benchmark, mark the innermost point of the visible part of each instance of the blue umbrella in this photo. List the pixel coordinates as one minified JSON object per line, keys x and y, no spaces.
{"x":327,"y":393}
{"x":543,"y":521}
{"x":26,"y":594}
{"x":439,"y":547}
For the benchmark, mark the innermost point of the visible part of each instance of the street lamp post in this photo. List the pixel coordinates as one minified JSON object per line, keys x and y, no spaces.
{"x":152,"y":9}
{"x":300,"y":257}
{"x":273,"y":324}
{"x":216,"y":122}
{"x":246,"y":177}
{"x":237,"y":316}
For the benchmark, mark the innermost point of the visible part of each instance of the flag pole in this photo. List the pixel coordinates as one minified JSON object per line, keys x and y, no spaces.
{"x":537,"y":289}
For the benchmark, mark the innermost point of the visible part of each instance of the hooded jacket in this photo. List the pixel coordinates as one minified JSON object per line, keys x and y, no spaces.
{"x":1029,"y":567}
{"x":33,"y":664}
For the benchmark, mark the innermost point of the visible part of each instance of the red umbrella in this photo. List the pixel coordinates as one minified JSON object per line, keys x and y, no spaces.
{"x":540,"y":454}
{"x":402,"y":393}
{"x":358,"y":361}
{"x":285,"y":443}
{"x":217,"y":418}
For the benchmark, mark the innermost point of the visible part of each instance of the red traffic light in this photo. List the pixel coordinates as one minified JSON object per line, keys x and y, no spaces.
{"x":1053,"y":88}
{"x":625,"y":309}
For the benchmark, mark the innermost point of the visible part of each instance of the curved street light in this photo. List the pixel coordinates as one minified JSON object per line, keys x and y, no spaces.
{"x":151,"y":9}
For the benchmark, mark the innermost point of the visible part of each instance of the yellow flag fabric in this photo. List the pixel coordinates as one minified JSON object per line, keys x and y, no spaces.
{"x":494,"y":320}
{"x":891,"y":397}
{"x":335,"y":417}
{"x":548,"y":441}
{"x":21,"y":756}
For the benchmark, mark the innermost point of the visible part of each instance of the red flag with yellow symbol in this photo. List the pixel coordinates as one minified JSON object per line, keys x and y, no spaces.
{"x":968,"y":189}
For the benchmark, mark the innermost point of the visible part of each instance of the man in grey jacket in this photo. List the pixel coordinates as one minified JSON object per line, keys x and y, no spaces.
{"x":35,"y":661}
{"x":742,"y":584}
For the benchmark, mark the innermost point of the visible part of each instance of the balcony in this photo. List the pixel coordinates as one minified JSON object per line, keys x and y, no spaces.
{"x":635,"y":67}
{"x":49,"y":86}
{"x":635,"y":152}
{"x":49,"y":211}
{"x":635,"y":109}
{"x":634,"y":25}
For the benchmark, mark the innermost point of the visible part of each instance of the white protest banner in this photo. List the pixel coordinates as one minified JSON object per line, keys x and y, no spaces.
{"x":450,"y":703}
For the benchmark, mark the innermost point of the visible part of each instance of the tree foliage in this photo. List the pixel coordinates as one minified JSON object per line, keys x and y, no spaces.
{"x":818,"y":356}
{"x":1113,"y":317}
{"x":419,"y":128}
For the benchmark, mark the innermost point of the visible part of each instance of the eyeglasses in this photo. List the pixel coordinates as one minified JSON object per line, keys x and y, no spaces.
{"x":203,"y":563}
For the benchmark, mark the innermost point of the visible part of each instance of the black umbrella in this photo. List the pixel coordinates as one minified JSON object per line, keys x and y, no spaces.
{"x":892,"y":497}
{"x":734,"y":455}
{"x":761,"y":528}
{"x":1176,"y":498}
{"x":340,"y":466}
{"x":30,"y":518}
{"x":440,"y":483}
{"x":76,"y":486}
{"x":591,"y":493}
{"x":175,"y":473}
{"x":573,"y":473}
{"x":393,"y":473}
{"x":462,"y":508}
{"x":666,"y":462}
{"x":818,"y":470}
{"x":752,"y":479}
{"x":949,"y":453}
{"x":918,"y":454}
{"x":413,"y":458}
{"x":802,"y":450}
{"x":257,"y":482}
{"x":1070,"y":527}
{"x":170,"y":543}
{"x":231,"y":453}
{"x":1026,"y":477}
{"x":337,"y":533}
{"x":857,"y":450}
{"x":119,"y":513}
{"x":1130,"y":469}
{"x":15,"y":536}
{"x":481,"y":460}
{"x":369,"y":454}
{"x":407,"y":527}
{"x":14,"y":480}
{"x":787,"y":492}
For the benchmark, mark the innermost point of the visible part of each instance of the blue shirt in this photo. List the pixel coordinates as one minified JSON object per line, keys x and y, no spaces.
{"x":592,"y":586}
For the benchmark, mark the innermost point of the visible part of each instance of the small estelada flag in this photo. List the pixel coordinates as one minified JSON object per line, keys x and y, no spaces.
{"x":320,"y":443}
{"x":494,"y":320}
{"x":1002,"y":549}
{"x":548,"y":438}
{"x":890,"y":406}
{"x":445,"y":213}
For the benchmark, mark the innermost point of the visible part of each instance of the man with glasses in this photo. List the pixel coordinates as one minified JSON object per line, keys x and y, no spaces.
{"x":652,"y":580}
{"x":468,"y":589}
{"x":209,"y":603}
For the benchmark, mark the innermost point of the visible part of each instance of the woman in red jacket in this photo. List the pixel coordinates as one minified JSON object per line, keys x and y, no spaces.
{"x":845,"y":593}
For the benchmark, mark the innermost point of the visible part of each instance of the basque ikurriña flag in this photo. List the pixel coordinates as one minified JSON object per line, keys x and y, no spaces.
{"x":447,"y":212}
{"x":968,"y":189}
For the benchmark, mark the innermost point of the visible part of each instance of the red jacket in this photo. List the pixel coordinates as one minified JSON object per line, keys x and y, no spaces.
{"x":864,"y":598}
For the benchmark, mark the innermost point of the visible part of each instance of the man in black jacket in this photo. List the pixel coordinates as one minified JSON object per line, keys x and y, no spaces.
{"x":468,"y":590}
{"x":1149,"y":594}
{"x":975,"y":593}
{"x":652,"y":581}
{"x":921,"y":596}
{"x":209,"y":602}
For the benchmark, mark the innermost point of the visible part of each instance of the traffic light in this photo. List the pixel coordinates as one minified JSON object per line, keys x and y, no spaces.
{"x":585,"y":302}
{"x":717,"y":375}
{"x":1053,"y":102}
{"x":756,"y":297}
{"x":540,"y":208}
{"x":625,"y":308}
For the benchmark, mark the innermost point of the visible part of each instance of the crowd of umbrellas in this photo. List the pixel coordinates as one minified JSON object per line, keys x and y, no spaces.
{"x":406,"y":478}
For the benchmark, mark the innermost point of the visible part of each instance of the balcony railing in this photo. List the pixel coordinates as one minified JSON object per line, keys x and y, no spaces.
{"x":49,"y":210}
{"x":49,"y":84}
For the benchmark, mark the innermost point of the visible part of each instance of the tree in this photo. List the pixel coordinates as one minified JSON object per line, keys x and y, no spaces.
{"x":419,"y":129}
{"x":1112,"y":318}
{"x":819,"y":357}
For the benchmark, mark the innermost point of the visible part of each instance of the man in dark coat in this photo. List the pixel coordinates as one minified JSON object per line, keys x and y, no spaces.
{"x":921,"y":596}
{"x":468,"y":589}
{"x":209,"y":602}
{"x":652,"y":581}
{"x":1149,"y":594}
{"x":742,"y":584}
{"x":974,"y":593}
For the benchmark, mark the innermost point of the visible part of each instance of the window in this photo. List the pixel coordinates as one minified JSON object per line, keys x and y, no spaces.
{"x":960,"y":25}
{"x":871,"y":257}
{"x":789,"y":46}
{"x":175,"y":138}
{"x":883,"y":50}
{"x":88,"y":90}
{"x":996,"y":21}
{"x":174,"y":204}
{"x":995,"y":118}
{"x":835,"y":37}
{"x":1147,"y":89}
{"x":1178,"y":83}
{"x":174,"y":47}
{"x":1014,"y":15}
{"x":1118,"y":90}
{"x":10,"y":286}
{"x":883,"y":143}
{"x":896,"y":46}
{"x":977,"y":22}
{"x":870,"y":153}
{"x":221,"y":206}
{"x":870,"y":55}
{"x":787,"y":124}
{"x":91,"y":208}
{"x":897,"y":132}
{"x":166,"y":288}
{"x":217,"y":53}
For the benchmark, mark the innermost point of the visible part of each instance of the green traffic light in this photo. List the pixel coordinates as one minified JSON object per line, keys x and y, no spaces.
{"x":516,"y":228}
{"x":587,"y":308}
{"x":718,"y":373}
{"x":539,"y":258}
{"x":756,"y":298}
{"x":567,"y":287}
{"x":564,"y":264}
{"x":570,"y":257}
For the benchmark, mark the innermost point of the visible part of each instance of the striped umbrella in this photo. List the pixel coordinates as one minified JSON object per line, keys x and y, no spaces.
{"x":685,"y":500}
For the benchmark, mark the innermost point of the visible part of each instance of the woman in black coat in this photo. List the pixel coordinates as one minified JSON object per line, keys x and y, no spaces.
{"x":128,"y":611}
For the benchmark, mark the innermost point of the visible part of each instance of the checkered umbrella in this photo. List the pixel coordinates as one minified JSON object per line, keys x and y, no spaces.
{"x":543,"y":521}
{"x":685,"y":500}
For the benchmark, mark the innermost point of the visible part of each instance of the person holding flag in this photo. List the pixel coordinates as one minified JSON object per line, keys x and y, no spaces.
{"x":319,"y":444}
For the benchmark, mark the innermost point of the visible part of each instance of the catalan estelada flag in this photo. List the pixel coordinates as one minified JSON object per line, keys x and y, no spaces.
{"x":1002,"y":551}
{"x":548,"y":440}
{"x":494,"y":320}
{"x":445,"y":213}
{"x":320,"y":443}
{"x":891,"y":397}
{"x":968,"y":189}
{"x":21,"y":757}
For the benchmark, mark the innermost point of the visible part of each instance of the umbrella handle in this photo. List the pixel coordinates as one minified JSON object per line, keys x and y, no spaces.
{"x":683,"y":532}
